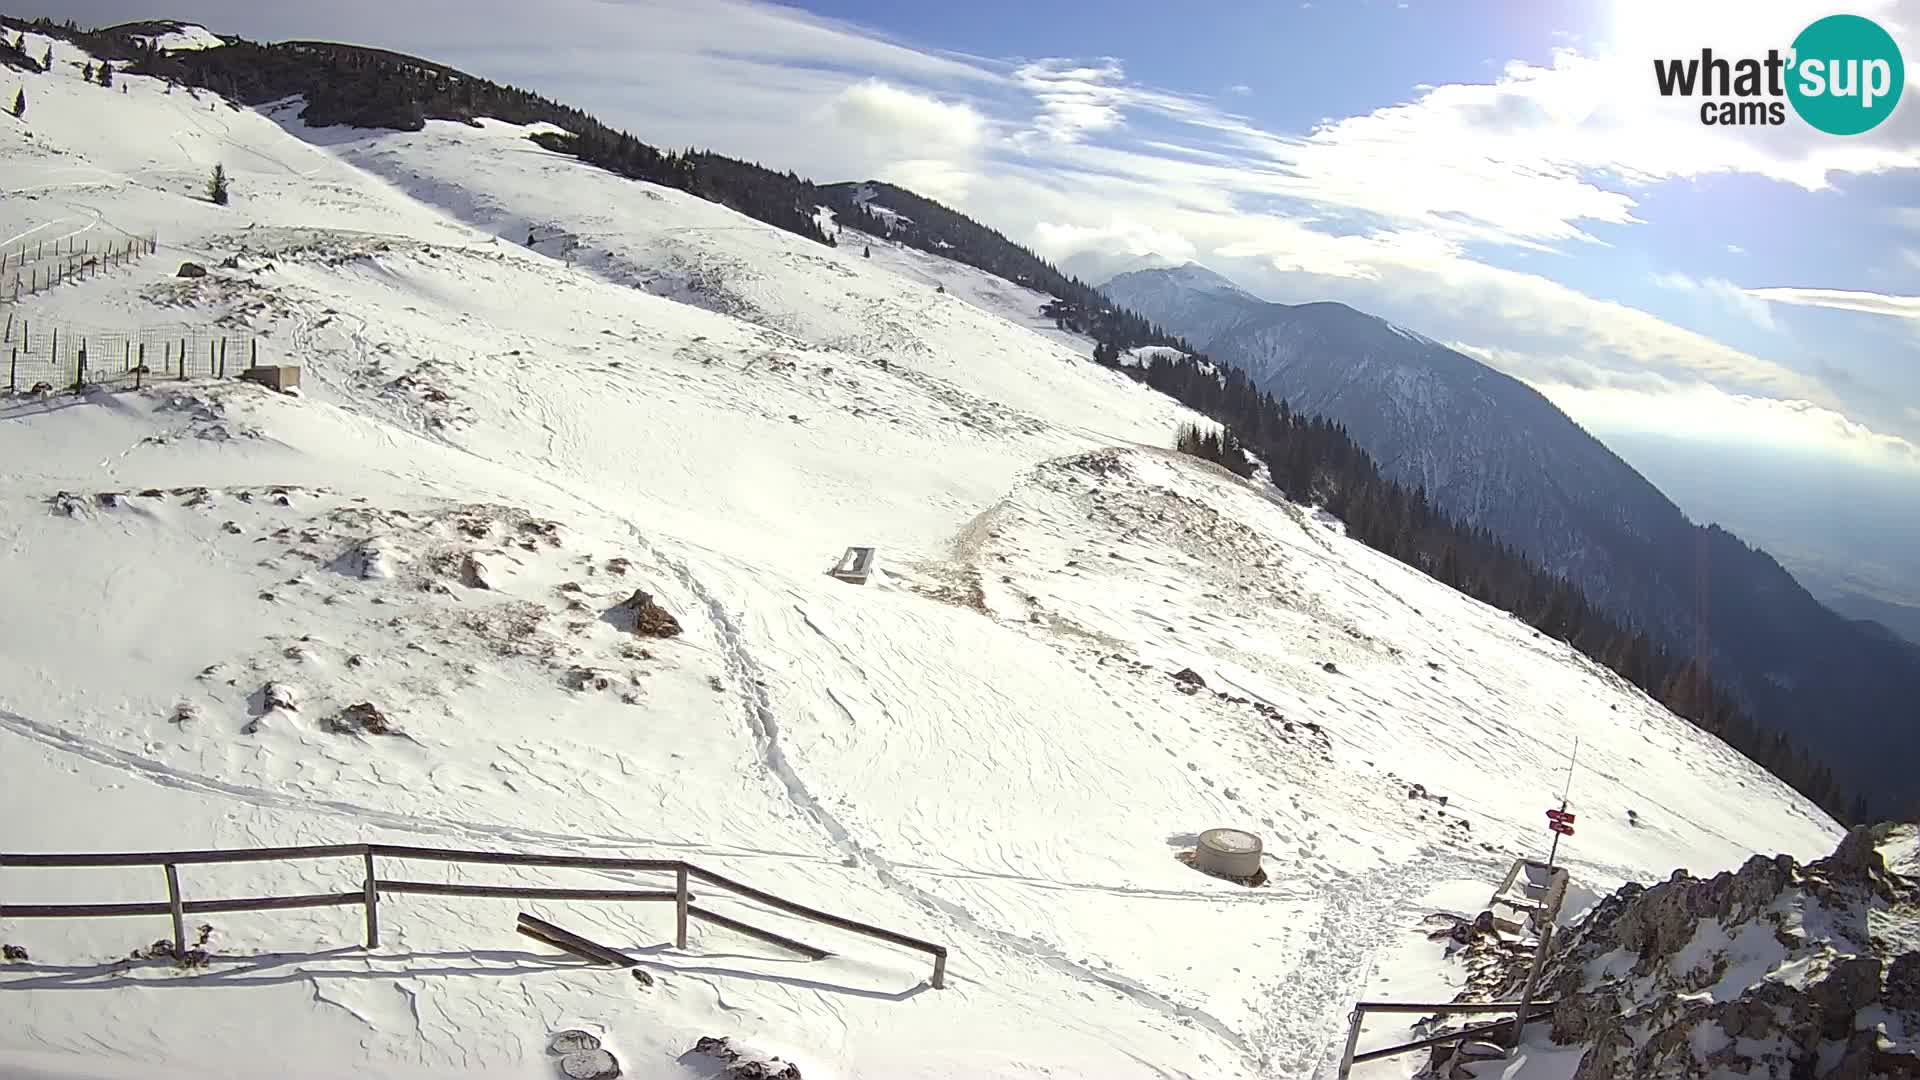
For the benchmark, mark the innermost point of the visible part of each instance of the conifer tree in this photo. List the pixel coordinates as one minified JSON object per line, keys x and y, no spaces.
{"x":20,"y":102}
{"x":87,"y":72}
{"x":217,"y":186}
{"x":106,"y":74}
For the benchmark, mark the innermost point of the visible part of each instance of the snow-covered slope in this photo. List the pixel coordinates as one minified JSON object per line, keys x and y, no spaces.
{"x":1000,"y":743}
{"x":1493,"y":453}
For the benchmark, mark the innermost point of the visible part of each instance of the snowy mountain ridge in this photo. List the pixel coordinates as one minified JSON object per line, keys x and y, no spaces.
{"x":1492,"y":452}
{"x":1080,"y":649}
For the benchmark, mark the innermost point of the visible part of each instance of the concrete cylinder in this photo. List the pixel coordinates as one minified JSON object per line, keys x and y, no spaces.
{"x":1228,"y":853}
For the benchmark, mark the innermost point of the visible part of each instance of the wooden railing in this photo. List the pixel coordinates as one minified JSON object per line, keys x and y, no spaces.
{"x":177,"y":906}
{"x":1524,"y":1011}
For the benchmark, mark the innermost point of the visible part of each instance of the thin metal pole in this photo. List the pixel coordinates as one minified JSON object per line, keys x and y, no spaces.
{"x":680,"y":908}
{"x":1353,"y":1040}
{"x":179,"y":915}
{"x":373,"y":906}
{"x":1554,"y":851}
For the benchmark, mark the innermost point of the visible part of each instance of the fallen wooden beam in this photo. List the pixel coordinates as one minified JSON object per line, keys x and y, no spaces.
{"x":568,"y":941}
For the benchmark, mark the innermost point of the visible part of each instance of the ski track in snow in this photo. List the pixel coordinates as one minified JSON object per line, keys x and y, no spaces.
{"x":766,"y":729}
{"x":159,"y":773}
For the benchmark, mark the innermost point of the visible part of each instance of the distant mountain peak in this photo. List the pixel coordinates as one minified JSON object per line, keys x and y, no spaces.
{"x":1186,"y":275}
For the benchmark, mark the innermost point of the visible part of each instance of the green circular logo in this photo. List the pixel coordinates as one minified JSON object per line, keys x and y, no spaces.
{"x":1846,"y":76}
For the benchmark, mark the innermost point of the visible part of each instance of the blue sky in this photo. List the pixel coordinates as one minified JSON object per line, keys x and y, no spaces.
{"x":1501,"y":176}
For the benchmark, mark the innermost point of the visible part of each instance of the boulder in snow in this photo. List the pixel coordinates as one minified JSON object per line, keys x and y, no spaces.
{"x":191,"y":270}
{"x":644,"y":616}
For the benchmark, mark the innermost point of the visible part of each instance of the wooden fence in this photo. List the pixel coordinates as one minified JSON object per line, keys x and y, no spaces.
{"x":26,"y":269}
{"x":63,"y":357}
{"x":373,"y":886}
{"x":1506,"y":1032}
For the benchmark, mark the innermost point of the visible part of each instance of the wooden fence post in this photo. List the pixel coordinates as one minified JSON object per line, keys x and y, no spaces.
{"x":13,"y":372}
{"x":373,"y":906}
{"x":1353,"y":1041}
{"x":1533,"y":977}
{"x":179,"y":912}
{"x":680,"y":907}
{"x":126,"y":356}
{"x":254,"y":359}
{"x":141,"y":369}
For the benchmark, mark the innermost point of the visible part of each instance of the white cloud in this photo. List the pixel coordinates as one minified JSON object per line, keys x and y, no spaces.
{"x":1899,"y":307}
{"x":1240,"y":89}
{"x":872,"y":107}
{"x":1736,"y":249}
{"x":1723,"y":292}
{"x":1712,"y":416}
{"x":1074,"y":99}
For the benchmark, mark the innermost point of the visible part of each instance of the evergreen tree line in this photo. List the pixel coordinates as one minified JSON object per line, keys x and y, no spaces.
{"x":377,"y":88}
{"x":1222,"y":447}
{"x":938,"y":230}
{"x":13,"y":53}
{"x":1313,"y":461}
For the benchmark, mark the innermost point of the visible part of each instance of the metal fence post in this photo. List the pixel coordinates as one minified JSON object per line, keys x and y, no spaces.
{"x":939,"y":981}
{"x":179,"y":912}
{"x":680,"y":907}
{"x":373,"y":906}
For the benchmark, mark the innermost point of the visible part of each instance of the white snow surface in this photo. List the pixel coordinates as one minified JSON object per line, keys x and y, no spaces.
{"x":184,"y":37}
{"x":983,"y":746}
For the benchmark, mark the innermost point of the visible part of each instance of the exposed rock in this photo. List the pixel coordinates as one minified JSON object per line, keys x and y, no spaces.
{"x":1852,"y":985}
{"x":363,"y":718}
{"x":191,"y":270}
{"x":646,"y":617}
{"x":13,"y":954}
{"x":1776,"y":956}
{"x":740,"y":1067}
{"x":473,"y":574}
{"x":1189,"y":677}
{"x":278,"y":695}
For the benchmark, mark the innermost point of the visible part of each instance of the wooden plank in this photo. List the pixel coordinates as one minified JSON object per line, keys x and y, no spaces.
{"x":1444,"y":1007}
{"x":815,"y":914}
{"x":589,"y":957}
{"x":181,"y":858}
{"x":574,"y":943}
{"x":511,"y":858}
{"x":189,"y":907}
{"x":1454,"y":1036}
{"x":373,"y":905}
{"x":767,"y":936}
{"x":681,"y":898}
{"x":175,"y":908}
{"x":521,"y":892}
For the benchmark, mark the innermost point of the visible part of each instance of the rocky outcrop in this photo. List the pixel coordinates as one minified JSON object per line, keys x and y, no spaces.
{"x":1774,"y":970}
{"x":644,"y":616}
